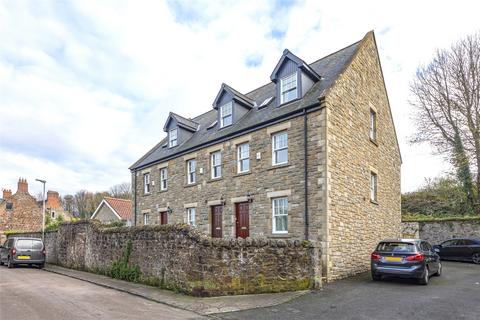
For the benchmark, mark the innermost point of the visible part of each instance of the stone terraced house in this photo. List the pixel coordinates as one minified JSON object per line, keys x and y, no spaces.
{"x":313,"y":154}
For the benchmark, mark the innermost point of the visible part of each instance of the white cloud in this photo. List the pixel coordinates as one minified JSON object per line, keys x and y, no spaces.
{"x":86,"y":86}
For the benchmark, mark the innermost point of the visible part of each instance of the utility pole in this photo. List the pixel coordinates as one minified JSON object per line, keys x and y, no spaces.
{"x":43,"y":211}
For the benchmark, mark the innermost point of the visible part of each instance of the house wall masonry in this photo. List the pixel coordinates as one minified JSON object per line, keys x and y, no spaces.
{"x":181,"y":258}
{"x":355,"y":224}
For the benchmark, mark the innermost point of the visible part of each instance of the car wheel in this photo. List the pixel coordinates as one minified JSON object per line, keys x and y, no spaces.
{"x":10,"y":264}
{"x":439,"y":272}
{"x":376,"y":277}
{"x":425,"y":277}
{"x":476,"y":258}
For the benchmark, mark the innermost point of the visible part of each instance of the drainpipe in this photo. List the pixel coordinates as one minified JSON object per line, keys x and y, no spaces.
{"x":305,"y":170}
{"x":135,"y":198}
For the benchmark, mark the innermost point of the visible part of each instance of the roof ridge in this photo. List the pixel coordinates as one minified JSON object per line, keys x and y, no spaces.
{"x":117,"y":198}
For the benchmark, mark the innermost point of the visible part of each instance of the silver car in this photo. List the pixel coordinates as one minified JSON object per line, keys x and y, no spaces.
{"x":22,"y":250}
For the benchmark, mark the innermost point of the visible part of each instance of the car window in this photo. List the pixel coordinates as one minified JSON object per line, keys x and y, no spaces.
{"x":396,"y":247}
{"x":37,"y":245}
{"x":449,"y":243}
{"x":426,"y":246}
{"x":467,"y":242}
{"x":24,"y":244}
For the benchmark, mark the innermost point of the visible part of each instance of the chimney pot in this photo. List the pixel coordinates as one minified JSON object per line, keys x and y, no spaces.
{"x":22,"y":185}
{"x":7,"y":193}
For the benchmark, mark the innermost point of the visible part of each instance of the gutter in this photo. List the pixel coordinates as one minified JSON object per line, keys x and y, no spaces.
{"x":305,"y":170}
{"x":135,"y":198}
{"x":312,"y":107}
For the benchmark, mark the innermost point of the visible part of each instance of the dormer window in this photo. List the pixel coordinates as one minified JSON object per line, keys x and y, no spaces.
{"x":226,"y":115}
{"x":288,"y":87}
{"x":173,"y":138}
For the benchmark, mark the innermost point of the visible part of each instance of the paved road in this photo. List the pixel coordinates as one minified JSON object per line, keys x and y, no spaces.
{"x":28,"y":293}
{"x":454,"y":295}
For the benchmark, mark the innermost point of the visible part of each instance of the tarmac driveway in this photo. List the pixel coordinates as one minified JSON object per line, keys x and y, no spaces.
{"x":454,"y":295}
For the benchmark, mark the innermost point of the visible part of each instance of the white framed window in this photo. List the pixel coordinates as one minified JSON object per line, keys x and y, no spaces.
{"x":280,"y":215}
{"x":146,"y":219}
{"x":288,"y":88}
{"x":146,"y":183}
{"x":173,"y":137}
{"x":191,"y":216}
{"x":226,"y":116}
{"x":216,"y":164}
{"x":280,"y":148}
{"x":243,"y":158}
{"x":191,"y":171}
{"x":163,"y":179}
{"x":373,"y":125}
{"x":373,"y":186}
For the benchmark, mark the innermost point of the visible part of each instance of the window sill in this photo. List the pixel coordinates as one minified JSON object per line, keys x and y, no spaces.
{"x":162,"y":191}
{"x":190,"y":185}
{"x":374,"y":202}
{"x":374,"y":141}
{"x":214,"y":179}
{"x":146,"y":194}
{"x":279,"y":166}
{"x":242,"y":174}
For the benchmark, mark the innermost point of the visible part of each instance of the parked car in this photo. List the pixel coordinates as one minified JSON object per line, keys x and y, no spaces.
{"x":405,"y":258}
{"x":22,"y":250}
{"x":463,"y":249}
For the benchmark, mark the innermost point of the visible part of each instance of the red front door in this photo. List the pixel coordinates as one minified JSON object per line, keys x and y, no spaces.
{"x":163,"y":218}
{"x":217,"y":221}
{"x":242,"y":216}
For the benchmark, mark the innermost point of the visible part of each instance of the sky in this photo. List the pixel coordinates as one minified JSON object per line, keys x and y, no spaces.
{"x":86,"y":86}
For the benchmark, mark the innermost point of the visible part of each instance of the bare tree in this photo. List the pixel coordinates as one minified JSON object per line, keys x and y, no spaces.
{"x":447,"y":100}
{"x":122,"y":190}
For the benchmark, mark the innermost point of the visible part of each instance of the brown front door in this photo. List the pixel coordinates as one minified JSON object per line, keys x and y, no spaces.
{"x":163,"y":218}
{"x":217,"y":221}
{"x":242,"y":215}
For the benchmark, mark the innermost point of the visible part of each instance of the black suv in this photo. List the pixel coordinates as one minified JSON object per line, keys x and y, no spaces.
{"x":405,"y":258}
{"x":22,"y":250}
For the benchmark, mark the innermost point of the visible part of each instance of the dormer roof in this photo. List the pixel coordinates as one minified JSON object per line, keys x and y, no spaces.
{"x":239,"y":97}
{"x":182,"y":122}
{"x":300,"y":63}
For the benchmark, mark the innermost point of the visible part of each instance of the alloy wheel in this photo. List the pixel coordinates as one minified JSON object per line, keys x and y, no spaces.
{"x":476,"y":258}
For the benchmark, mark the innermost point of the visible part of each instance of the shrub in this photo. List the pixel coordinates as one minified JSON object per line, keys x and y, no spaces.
{"x":122,"y":270}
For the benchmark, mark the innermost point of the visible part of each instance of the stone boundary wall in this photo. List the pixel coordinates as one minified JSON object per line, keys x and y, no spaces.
{"x":436,"y":232}
{"x":180,"y":258}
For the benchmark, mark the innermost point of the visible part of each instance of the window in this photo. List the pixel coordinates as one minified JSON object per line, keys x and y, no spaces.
{"x":172,"y":138}
{"x":226,"y":115}
{"x":163,"y":179}
{"x":191,"y":171}
{"x":373,"y":125}
{"x":191,"y":216}
{"x":280,"y":215}
{"x":373,"y":186}
{"x":146,"y":183}
{"x":216,"y":163}
{"x":53,"y":214}
{"x":280,"y":148}
{"x":9,"y":206}
{"x":146,"y":219}
{"x":288,"y":88}
{"x":243,"y":158}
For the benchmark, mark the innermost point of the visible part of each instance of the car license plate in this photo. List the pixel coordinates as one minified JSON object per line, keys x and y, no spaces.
{"x":393,"y":258}
{"x":23,"y":257}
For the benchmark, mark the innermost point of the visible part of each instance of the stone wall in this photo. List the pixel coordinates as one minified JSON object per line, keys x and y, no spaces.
{"x":356,"y":224}
{"x":180,"y":258}
{"x":436,"y":232}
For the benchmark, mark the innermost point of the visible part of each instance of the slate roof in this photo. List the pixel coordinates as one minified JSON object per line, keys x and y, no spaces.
{"x":240,"y":96}
{"x":329,"y":68}
{"x":122,"y":207}
{"x":188,"y":124}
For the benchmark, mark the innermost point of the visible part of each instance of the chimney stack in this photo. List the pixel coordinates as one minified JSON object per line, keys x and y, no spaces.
{"x":7,"y":193}
{"x":22,"y":186}
{"x":53,"y":200}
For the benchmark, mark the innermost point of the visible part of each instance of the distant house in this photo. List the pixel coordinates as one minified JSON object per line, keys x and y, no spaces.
{"x":114,"y":209}
{"x":54,"y":208}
